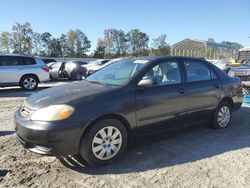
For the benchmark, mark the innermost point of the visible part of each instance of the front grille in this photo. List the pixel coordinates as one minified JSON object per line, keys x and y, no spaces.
{"x":25,"y":111}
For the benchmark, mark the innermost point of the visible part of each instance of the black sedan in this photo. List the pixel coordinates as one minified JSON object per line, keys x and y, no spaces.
{"x":131,"y":97}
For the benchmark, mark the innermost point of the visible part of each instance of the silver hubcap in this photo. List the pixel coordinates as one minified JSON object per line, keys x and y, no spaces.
{"x":223,"y":116}
{"x":29,"y":83}
{"x":106,"y":143}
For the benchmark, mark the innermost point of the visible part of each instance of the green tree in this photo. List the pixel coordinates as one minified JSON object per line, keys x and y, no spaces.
{"x":22,"y":38}
{"x":210,"y":39}
{"x":5,"y":42}
{"x":36,"y":43}
{"x":82,"y":44}
{"x":100,"y":49}
{"x":55,"y":48}
{"x":138,"y":42}
{"x":160,"y":46}
{"x":63,"y":43}
{"x":115,"y":42}
{"x":77,"y":43}
{"x":71,"y":43}
{"x":45,"y":41}
{"x":234,"y":45}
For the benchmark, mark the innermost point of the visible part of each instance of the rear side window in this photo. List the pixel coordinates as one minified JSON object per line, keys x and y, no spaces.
{"x":39,"y":61}
{"x":198,"y":71}
{"x":16,"y":61}
{"x":9,"y":61}
{"x":28,"y":61}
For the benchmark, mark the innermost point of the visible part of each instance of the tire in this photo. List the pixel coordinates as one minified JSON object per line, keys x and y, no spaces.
{"x":29,"y":82}
{"x":96,"y":150}
{"x":77,"y":76}
{"x":222,"y":115}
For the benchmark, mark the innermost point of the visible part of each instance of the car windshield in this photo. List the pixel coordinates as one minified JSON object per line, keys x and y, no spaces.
{"x":118,"y":73}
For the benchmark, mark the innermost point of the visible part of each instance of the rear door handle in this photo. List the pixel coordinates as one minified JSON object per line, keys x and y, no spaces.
{"x":181,"y":91}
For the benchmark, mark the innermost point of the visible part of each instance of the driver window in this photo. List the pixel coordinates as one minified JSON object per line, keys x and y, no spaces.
{"x":166,"y":73}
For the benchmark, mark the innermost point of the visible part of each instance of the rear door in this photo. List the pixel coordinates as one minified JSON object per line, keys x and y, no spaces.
{"x":203,"y":89}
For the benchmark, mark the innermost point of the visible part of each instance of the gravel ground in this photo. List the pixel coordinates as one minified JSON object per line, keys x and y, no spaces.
{"x":192,"y":157}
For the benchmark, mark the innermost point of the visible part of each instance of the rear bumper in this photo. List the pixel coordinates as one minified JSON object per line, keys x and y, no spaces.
{"x":237,"y":102}
{"x":49,"y":138}
{"x":44,"y":76}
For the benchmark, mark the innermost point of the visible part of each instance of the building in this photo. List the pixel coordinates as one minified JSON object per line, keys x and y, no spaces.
{"x":205,"y":49}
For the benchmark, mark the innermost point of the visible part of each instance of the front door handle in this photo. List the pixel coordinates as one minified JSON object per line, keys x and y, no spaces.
{"x":181,"y":91}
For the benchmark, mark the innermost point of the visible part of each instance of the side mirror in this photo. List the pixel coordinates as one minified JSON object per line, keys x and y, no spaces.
{"x":149,"y":82}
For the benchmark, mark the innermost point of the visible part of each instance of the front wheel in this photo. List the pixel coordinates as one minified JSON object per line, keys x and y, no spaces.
{"x":104,"y":142}
{"x":222,"y":115}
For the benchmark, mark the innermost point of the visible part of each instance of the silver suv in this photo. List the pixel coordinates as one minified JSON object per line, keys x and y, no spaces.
{"x":23,"y":71}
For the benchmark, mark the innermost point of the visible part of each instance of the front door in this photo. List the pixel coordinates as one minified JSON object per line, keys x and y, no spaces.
{"x":165,"y":103}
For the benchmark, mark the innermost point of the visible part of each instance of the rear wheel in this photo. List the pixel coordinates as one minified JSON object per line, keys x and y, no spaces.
{"x":29,"y":82}
{"x":222,"y":115}
{"x":77,"y":76}
{"x":104,"y":142}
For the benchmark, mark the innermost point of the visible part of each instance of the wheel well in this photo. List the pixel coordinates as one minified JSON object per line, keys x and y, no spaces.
{"x":30,"y":75}
{"x":229,"y":100}
{"x":108,"y":116}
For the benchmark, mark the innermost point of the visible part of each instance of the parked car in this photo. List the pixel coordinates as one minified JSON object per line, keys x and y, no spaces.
{"x":246,"y":100}
{"x":93,"y":69}
{"x":48,"y":60}
{"x":131,"y":97}
{"x":243,"y":71}
{"x":23,"y":71}
{"x":95,"y":65}
{"x":73,"y":70}
{"x":225,"y":64}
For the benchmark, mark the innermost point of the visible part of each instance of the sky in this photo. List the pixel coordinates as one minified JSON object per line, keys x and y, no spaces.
{"x":178,"y":19}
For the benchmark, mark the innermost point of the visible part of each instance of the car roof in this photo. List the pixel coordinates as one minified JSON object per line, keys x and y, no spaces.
{"x":153,"y":58}
{"x":16,"y":55}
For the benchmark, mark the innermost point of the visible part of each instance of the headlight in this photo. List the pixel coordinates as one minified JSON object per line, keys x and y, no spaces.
{"x":53,"y":113}
{"x":231,"y":73}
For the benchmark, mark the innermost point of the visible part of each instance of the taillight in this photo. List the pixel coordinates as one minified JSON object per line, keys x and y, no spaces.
{"x":46,"y":69}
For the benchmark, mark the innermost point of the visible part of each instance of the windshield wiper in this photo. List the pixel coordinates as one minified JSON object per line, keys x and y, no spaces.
{"x":101,"y":83}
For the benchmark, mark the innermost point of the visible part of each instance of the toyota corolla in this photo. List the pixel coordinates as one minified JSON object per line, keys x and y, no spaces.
{"x":94,"y":118}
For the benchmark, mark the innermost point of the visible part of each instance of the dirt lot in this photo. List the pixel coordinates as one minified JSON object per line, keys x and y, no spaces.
{"x":191,"y":157}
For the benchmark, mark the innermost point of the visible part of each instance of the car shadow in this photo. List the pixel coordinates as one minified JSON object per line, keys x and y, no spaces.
{"x":5,"y":133}
{"x":18,"y":92}
{"x":175,"y":147}
{"x":11,"y":92}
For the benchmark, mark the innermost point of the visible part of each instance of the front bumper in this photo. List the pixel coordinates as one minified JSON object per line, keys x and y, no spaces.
{"x":59,"y":138}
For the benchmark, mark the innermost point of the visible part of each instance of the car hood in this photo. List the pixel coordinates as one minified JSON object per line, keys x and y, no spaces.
{"x":64,"y":94}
